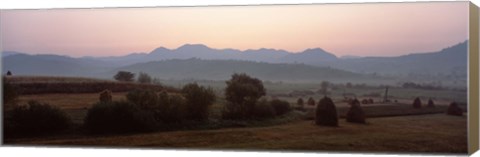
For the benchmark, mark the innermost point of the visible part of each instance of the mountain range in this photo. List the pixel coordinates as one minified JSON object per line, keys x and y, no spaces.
{"x":178,"y":63}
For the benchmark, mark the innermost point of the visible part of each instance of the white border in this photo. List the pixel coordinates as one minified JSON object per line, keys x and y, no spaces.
{"x":42,"y":4}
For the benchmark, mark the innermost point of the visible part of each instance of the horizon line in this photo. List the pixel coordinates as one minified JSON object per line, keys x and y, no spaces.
{"x":241,"y":51}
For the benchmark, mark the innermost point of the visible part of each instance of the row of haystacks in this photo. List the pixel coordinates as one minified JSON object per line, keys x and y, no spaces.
{"x":417,"y":103}
{"x":326,"y":112}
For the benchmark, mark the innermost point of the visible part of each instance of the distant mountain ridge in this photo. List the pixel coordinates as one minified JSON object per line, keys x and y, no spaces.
{"x":450,"y":62}
{"x":223,"y":69}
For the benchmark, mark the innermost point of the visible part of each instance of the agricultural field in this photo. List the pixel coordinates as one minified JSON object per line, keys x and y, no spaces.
{"x":391,"y":126}
{"x":434,"y":133}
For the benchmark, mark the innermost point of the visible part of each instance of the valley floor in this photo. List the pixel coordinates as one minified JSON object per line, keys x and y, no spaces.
{"x":433,"y":133}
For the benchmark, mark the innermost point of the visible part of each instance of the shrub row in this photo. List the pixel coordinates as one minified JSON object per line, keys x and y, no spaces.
{"x":262,"y":109}
{"x":83,"y":87}
{"x":35,"y":118}
{"x":146,"y":109}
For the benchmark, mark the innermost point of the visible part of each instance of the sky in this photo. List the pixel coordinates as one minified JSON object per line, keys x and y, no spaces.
{"x":374,"y":29}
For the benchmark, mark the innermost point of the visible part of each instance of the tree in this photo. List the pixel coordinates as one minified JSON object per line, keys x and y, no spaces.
{"x":124,"y":76}
{"x":145,"y":99}
{"x":324,"y":87}
{"x":326,"y":113}
{"x":242,"y":93}
{"x":9,"y":73}
{"x":144,"y":78}
{"x":281,"y":107}
{"x":199,"y":99}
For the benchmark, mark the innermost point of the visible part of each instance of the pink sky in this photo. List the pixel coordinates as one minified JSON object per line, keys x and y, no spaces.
{"x":375,"y":29}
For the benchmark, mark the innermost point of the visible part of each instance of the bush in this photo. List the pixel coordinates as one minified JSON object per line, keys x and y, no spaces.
{"x":118,"y":117}
{"x":145,"y":99}
{"x":171,"y":108}
{"x":355,"y":114}
{"x":454,"y":110}
{"x":124,"y":76}
{"x":417,"y":103}
{"x":144,"y":78}
{"x":281,"y":107}
{"x":264,"y":110}
{"x":35,"y":118}
{"x":105,"y":96}
{"x":326,"y":113}
{"x":430,"y":103}
{"x":9,"y":95}
{"x":198,"y":100}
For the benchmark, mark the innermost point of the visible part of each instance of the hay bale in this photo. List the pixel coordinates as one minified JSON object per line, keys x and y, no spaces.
{"x":430,"y":103}
{"x":105,"y":96}
{"x":364,"y":101}
{"x":311,"y":102}
{"x":326,"y":113}
{"x":454,"y":110}
{"x":370,"y":101}
{"x":417,"y":103}
{"x":355,"y":114}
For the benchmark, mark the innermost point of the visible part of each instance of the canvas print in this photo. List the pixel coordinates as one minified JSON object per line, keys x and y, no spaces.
{"x":371,"y":77}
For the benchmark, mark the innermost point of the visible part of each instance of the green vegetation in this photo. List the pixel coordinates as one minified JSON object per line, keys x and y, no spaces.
{"x":437,"y":133}
{"x":242,"y":93}
{"x":10,"y":94}
{"x":124,"y":76}
{"x":249,"y":103}
{"x":118,"y":117}
{"x":35,"y":118}
{"x":145,"y":99}
{"x":73,"y":85}
{"x":198,"y":100}
{"x":144,"y":78}
{"x":264,"y":110}
{"x":281,"y":107}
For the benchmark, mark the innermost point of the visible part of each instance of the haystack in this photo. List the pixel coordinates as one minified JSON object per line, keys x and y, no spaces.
{"x":417,"y":103}
{"x":326,"y":113}
{"x":454,"y":110}
{"x":355,"y":114}
{"x":105,"y":96}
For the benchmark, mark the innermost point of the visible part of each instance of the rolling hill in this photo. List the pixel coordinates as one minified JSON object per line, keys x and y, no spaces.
{"x":223,"y":69}
{"x":312,"y":64}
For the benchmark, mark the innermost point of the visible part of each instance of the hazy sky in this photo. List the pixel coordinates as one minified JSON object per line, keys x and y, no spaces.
{"x":376,"y":29}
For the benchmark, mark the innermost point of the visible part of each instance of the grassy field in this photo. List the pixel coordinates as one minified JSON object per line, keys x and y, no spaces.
{"x":28,"y":85}
{"x":391,"y":127}
{"x":437,"y":133}
{"x":76,"y":105}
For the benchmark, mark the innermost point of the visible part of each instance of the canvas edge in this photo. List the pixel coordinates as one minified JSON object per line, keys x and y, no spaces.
{"x":473,"y":93}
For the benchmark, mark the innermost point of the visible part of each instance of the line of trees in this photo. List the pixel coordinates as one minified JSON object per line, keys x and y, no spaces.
{"x":126,"y":76}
